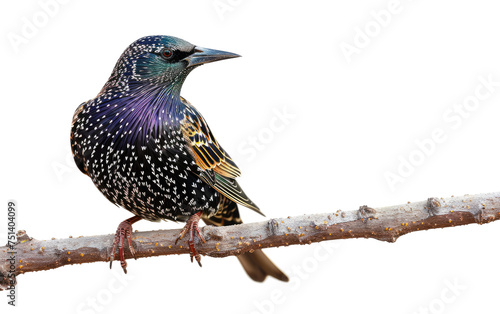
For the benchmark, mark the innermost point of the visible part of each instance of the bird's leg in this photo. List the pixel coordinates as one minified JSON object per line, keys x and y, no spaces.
{"x":124,"y":231}
{"x":192,"y":226}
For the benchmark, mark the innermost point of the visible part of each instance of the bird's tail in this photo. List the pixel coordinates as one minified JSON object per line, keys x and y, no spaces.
{"x":257,"y":265}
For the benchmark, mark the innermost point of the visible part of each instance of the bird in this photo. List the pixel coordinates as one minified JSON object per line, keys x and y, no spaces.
{"x":150,"y":151}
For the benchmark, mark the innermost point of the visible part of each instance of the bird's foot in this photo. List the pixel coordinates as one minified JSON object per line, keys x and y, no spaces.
{"x":192,"y":227}
{"x":124,"y":231}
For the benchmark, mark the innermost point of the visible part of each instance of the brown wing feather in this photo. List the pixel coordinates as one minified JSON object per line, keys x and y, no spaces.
{"x":207,"y":152}
{"x":219,"y":170}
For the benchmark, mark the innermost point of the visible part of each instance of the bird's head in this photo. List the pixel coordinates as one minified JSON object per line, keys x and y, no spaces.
{"x":161,"y":60}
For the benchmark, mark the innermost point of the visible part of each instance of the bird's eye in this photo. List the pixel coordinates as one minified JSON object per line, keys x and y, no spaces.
{"x":166,"y":53}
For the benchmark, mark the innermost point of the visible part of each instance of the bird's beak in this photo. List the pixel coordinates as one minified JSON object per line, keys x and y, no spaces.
{"x":205,"y":55}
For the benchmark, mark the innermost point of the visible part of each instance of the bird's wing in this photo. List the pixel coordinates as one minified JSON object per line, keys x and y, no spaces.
{"x":75,"y":143}
{"x":207,"y":152}
{"x":218,"y":169}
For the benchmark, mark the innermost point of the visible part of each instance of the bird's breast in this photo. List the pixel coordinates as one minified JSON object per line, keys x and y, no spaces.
{"x":141,"y":162}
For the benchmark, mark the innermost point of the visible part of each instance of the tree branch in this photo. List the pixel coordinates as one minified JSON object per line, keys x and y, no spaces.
{"x":385,"y":224}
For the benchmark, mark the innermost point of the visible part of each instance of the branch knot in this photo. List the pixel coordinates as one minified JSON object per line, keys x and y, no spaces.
{"x":433,"y":206}
{"x":365,"y":212}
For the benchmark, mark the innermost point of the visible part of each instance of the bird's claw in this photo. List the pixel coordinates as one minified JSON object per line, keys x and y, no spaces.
{"x":124,"y":231}
{"x":192,"y":227}
{"x":193,"y":253}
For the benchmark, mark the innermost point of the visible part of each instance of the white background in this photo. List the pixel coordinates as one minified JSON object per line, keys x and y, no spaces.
{"x":352,"y":123}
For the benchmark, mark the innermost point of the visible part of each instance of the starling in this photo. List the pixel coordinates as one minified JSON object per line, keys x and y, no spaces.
{"x":148,"y":150}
